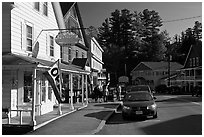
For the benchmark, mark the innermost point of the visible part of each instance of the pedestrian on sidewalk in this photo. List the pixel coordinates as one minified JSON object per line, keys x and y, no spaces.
{"x":96,"y":93}
{"x":105,"y":93}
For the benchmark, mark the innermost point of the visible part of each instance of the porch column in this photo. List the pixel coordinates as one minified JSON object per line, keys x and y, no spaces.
{"x":71,"y":91}
{"x":86,"y":84}
{"x":33,"y":121}
{"x":82,"y":88}
{"x":78,"y":87}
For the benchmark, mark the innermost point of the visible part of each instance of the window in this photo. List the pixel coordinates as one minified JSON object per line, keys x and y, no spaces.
{"x":197,"y":61}
{"x":43,"y":92}
{"x":29,"y":38}
{"x":49,"y":92}
{"x":82,"y":55}
{"x":51,"y":46}
{"x":77,"y":53}
{"x":37,"y":6}
{"x":45,"y":8}
{"x":193,"y":61}
{"x":70,"y":54}
{"x":190,"y":62}
{"x":27,"y":86}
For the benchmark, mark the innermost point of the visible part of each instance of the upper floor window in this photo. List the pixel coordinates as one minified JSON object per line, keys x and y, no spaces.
{"x":37,"y":6}
{"x":70,"y":54}
{"x":82,"y":55}
{"x":29,"y":38}
{"x":190,"y":62}
{"x":45,"y":8}
{"x":51,"y":46}
{"x":77,"y":53}
{"x":194,"y":62}
{"x":197,"y":61}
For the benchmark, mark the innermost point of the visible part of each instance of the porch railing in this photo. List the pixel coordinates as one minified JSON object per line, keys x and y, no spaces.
{"x":19,"y":112}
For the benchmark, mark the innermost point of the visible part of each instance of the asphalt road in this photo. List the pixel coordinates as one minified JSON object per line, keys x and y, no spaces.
{"x":177,"y":115}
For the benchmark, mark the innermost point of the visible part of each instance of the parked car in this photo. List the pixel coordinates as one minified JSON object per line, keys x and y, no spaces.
{"x":139,"y":104}
{"x":136,"y":88}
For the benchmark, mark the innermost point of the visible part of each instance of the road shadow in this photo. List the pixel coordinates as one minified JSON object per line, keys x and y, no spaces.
{"x":98,"y":115}
{"x":178,"y":99}
{"x":117,"y":119}
{"x":107,"y":105}
{"x":188,"y":125}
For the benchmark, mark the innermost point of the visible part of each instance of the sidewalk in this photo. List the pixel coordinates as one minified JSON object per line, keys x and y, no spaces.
{"x":87,"y":121}
{"x":98,"y":111}
{"x":46,"y":117}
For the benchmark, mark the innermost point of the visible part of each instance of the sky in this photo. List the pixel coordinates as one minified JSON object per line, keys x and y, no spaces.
{"x":94,"y":13}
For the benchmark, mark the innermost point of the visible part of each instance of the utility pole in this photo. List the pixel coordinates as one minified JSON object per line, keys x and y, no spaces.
{"x":169,"y":63}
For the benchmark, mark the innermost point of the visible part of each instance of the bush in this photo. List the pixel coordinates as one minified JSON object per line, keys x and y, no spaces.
{"x":161,"y":88}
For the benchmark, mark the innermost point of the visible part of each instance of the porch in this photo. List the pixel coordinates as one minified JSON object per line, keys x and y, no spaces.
{"x":10,"y":123}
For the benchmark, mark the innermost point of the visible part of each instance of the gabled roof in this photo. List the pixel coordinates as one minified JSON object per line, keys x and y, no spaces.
{"x":157,"y":66}
{"x":194,"y":48}
{"x":66,"y":6}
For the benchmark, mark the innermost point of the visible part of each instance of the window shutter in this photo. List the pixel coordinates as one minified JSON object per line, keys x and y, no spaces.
{"x":23,"y":36}
{"x":47,"y":44}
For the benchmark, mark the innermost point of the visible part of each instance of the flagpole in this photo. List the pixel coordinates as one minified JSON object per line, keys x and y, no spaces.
{"x":59,"y":105}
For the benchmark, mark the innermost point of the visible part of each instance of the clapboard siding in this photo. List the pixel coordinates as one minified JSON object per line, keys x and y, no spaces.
{"x":23,"y":13}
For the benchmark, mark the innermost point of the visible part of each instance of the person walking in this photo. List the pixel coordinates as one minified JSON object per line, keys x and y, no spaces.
{"x":96,"y":93}
{"x":105,"y":93}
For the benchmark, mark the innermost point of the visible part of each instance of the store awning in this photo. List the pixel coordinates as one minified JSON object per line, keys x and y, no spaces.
{"x":20,"y":60}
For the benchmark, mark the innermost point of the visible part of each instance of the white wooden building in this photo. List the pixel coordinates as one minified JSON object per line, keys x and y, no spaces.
{"x":29,"y":49}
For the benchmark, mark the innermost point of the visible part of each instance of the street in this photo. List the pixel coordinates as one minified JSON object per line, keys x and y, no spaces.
{"x":177,"y":115}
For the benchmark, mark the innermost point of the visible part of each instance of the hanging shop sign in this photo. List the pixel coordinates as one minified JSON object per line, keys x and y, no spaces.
{"x":123,"y":79}
{"x":65,"y":38}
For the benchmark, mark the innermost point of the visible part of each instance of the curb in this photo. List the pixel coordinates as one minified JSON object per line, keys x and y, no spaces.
{"x":103,"y":122}
{"x":47,"y":122}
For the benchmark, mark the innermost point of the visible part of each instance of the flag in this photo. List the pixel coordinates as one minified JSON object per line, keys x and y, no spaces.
{"x":54,"y":77}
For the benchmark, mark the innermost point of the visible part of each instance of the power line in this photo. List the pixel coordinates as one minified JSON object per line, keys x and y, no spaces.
{"x":181,"y":19}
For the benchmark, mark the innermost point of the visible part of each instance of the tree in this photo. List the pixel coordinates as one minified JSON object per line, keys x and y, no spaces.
{"x":151,"y":22}
{"x":129,"y":38}
{"x":115,"y":37}
{"x":92,"y":32}
{"x":182,"y":43}
{"x":197,"y":29}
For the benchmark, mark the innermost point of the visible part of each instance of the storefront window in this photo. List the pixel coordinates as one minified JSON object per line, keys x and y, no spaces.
{"x":49,"y":92}
{"x":27,"y":86}
{"x":43,"y":86}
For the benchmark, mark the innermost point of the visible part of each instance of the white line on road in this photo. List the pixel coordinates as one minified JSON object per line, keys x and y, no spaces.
{"x":196,"y":103}
{"x":152,"y":120}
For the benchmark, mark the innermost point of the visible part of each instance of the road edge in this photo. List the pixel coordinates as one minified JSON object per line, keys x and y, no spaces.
{"x":103,"y":122}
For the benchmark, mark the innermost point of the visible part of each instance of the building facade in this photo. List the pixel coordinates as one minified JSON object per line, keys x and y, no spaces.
{"x":28,"y":50}
{"x":98,"y":74}
{"x":152,"y":73}
{"x":191,"y":74}
{"x":20,"y":55}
